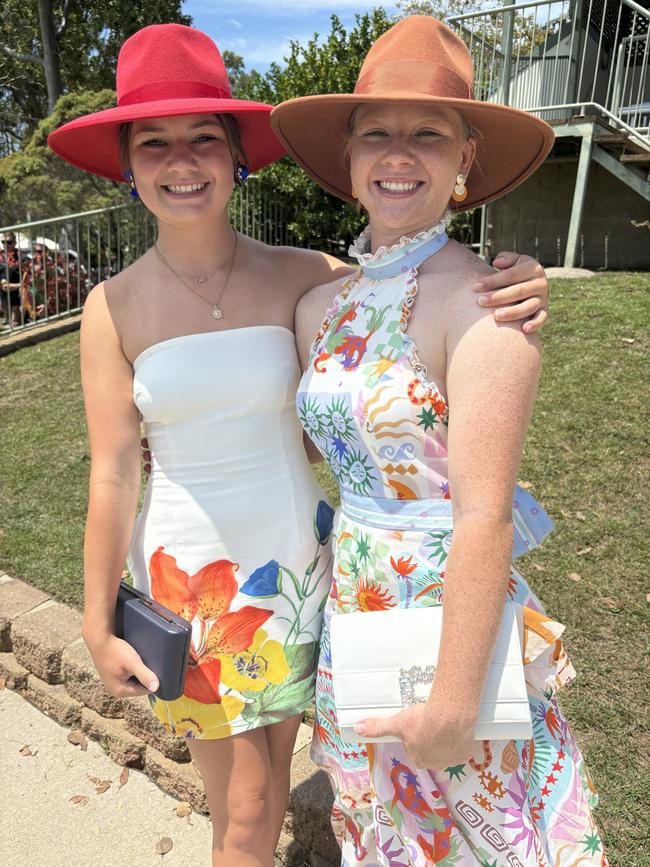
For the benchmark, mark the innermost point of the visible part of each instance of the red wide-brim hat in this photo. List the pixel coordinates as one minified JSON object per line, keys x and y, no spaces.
{"x":422,"y":62}
{"x":164,"y":70}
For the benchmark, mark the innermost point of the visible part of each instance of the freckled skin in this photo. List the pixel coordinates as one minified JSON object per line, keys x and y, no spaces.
{"x":471,"y":360}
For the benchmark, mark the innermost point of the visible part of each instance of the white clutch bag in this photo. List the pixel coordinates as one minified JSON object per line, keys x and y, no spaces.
{"x":384,"y":661}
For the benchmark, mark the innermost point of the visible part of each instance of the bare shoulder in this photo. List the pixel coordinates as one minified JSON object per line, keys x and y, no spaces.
{"x":470,"y":324}
{"x":306,"y":269}
{"x":109,"y":308}
{"x":316,"y":301}
{"x":100,"y":341}
{"x":445,"y":285}
{"x":121,"y":287}
{"x":455,"y":265}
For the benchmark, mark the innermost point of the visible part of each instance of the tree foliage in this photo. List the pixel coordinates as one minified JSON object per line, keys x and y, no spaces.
{"x":241,"y":82}
{"x":87,"y":39}
{"x":36,"y":184}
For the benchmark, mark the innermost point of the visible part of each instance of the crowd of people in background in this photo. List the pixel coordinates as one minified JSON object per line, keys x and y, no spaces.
{"x":37,"y":281}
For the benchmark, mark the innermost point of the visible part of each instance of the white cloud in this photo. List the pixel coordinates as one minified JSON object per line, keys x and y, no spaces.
{"x":236,"y":24}
{"x":260,"y":53}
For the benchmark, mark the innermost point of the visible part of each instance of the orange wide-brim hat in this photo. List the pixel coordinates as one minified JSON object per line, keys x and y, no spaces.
{"x":419,"y":61}
{"x":164,"y":70}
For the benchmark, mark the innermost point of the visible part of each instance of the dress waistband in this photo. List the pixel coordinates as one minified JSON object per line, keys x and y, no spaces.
{"x":387,"y":513}
{"x":531,"y":522}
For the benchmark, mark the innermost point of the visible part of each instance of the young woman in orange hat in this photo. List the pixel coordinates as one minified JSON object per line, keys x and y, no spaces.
{"x":195,"y":340}
{"x":420,"y":403}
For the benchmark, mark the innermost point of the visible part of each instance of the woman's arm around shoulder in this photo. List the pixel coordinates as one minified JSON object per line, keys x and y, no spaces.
{"x":517,"y":291}
{"x":307,"y":269}
{"x":114,"y":435}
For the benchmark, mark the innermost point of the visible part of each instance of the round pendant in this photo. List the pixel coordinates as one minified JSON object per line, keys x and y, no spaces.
{"x":217,"y":312}
{"x":199,"y":280}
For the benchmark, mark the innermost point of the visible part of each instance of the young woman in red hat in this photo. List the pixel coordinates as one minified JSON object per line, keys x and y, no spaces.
{"x":195,"y":340}
{"x":420,"y":402}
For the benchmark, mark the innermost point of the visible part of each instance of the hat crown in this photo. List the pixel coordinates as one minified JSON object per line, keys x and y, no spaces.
{"x":418,"y":54}
{"x":170,"y":61}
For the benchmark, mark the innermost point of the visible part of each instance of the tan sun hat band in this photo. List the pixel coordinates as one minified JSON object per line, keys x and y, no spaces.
{"x":413,"y":76}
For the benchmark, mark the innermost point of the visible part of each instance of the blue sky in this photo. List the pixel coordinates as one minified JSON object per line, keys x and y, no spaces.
{"x":260,"y":30}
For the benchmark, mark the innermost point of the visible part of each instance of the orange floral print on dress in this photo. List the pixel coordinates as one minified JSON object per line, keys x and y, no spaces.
{"x":202,"y":682}
{"x":371,"y":597}
{"x":206,"y":597}
{"x":404,"y":565}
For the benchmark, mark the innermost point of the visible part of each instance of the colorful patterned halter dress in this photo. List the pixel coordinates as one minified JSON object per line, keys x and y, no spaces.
{"x":382,"y":426}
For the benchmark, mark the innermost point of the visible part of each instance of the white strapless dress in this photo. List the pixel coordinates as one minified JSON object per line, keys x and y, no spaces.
{"x":234,"y":530}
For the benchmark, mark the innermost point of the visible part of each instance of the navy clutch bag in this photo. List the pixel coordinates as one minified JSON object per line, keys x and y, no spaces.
{"x":161,"y":638}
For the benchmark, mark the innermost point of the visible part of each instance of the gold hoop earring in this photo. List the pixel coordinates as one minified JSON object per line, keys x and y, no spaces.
{"x":354,"y":195}
{"x":459,"y":193}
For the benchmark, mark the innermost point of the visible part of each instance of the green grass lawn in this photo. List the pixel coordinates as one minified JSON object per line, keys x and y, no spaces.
{"x":587,"y":460}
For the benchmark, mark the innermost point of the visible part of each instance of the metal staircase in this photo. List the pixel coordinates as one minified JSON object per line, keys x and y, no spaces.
{"x":581,"y":65}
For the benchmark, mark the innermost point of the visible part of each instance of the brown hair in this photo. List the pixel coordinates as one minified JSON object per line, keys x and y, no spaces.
{"x":228,"y":123}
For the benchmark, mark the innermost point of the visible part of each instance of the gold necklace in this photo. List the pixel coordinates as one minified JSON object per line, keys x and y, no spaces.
{"x":216,"y":312}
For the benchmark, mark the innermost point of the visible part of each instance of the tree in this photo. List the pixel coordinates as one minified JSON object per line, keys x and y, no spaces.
{"x":36,"y":182}
{"x":442,"y":9}
{"x":241,"y":82}
{"x":56,"y":46}
{"x":51,"y":33}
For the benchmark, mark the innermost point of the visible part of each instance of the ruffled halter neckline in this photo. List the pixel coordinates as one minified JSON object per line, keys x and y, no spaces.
{"x":401,"y":257}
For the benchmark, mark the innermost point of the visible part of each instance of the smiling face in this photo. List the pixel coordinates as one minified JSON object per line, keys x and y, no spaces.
{"x":182,"y":165}
{"x":404,"y":160}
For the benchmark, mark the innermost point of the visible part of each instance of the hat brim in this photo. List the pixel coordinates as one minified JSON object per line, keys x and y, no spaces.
{"x":512,"y":143}
{"x":91,"y":142}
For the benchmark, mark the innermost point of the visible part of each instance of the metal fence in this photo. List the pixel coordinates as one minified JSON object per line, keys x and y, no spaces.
{"x":566,"y":58}
{"x":593,"y":251}
{"x":48,"y":267}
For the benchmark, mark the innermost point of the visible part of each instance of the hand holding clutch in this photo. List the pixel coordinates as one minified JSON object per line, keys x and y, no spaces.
{"x":431,"y":738}
{"x":161,"y":638}
{"x":120,"y":667}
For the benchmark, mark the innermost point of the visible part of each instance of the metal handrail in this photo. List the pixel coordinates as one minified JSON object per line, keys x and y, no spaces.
{"x":87,"y":247}
{"x":564,"y":59}
{"x":17,"y":227}
{"x":633,"y":133}
{"x":517,"y":7}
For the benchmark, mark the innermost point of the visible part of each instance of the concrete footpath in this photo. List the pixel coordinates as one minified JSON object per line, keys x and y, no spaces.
{"x":87,"y":779}
{"x":53,"y":816}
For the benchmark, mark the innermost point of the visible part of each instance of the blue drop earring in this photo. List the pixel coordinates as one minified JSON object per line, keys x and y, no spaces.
{"x":241,"y":173}
{"x":129,"y":178}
